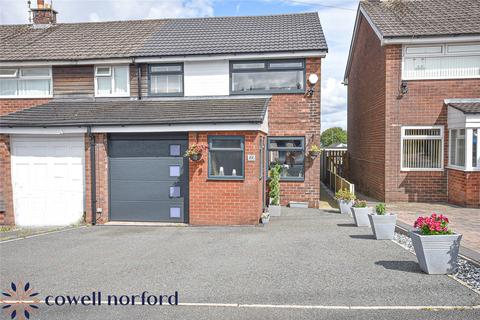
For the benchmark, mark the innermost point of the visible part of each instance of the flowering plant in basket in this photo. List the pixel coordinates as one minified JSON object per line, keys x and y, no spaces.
{"x":195,"y":151}
{"x":433,"y":225}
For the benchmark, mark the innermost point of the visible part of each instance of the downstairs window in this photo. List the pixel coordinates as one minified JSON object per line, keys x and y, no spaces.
{"x":422,"y":148}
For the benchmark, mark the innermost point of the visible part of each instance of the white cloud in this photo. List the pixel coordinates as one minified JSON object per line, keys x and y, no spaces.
{"x":16,"y":11}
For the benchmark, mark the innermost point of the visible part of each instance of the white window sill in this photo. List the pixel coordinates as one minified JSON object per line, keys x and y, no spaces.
{"x":26,"y":97}
{"x":421,"y":170}
{"x":463,"y":169}
{"x":444,"y":78}
{"x":112,"y":95}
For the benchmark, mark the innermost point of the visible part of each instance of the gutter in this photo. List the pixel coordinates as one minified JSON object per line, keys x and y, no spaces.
{"x":93,"y":176}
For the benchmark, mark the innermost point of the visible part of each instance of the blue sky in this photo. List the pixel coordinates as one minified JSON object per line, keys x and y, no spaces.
{"x":337,"y":18}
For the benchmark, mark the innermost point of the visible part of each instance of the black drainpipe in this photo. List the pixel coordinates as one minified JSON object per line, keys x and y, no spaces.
{"x":139,"y":81}
{"x":93,"y":177}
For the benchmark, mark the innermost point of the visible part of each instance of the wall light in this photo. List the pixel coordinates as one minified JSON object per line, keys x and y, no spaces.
{"x":312,"y":79}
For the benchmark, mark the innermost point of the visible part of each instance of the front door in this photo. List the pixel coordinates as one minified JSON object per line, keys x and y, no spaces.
{"x":148,"y":177}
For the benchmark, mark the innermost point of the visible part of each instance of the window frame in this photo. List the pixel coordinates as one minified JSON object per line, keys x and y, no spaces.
{"x":267,"y":69}
{"x":112,"y":76}
{"x":442,"y":148}
{"x":181,"y":72}
{"x":302,"y":148}
{"x":242,"y":143}
{"x":444,"y":53}
{"x":468,"y":141}
{"x":19,"y":76}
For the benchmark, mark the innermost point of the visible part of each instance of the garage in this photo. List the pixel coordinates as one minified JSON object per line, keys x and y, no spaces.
{"x":48,"y":179}
{"x":148,"y":177}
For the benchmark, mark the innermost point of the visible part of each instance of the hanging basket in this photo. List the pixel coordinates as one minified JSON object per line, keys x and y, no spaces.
{"x":314,"y":154}
{"x":196,"y":157}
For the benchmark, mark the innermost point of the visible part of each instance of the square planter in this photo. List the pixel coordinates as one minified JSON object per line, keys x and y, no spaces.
{"x":345,"y":206}
{"x":383,"y":226}
{"x":275,"y":211}
{"x":360,"y":216}
{"x":436,"y":254}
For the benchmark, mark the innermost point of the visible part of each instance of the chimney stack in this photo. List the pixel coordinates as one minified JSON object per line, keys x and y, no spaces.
{"x":43,"y":14}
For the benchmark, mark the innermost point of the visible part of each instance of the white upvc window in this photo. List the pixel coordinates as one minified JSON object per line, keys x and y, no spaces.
{"x":421,"y":148}
{"x":28,"y":82}
{"x":112,"y":81}
{"x":441,"y":61}
{"x":464,"y":149}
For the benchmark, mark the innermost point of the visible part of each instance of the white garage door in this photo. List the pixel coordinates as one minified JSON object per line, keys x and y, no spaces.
{"x":47,"y":179}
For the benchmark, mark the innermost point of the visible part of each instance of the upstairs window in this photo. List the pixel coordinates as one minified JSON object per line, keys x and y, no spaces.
{"x":166,"y":79}
{"x":112,"y":81}
{"x":422,"y":148}
{"x":29,"y":82}
{"x":442,"y":61}
{"x":275,"y":76}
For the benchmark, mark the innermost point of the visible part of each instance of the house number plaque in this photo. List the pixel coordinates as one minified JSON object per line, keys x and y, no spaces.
{"x":251,"y":157}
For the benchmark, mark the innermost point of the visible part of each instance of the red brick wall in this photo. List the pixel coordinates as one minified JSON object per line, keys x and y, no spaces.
{"x":376,"y":113}
{"x":366,"y":114}
{"x":223,"y":202}
{"x":299,"y":115}
{"x":101,"y":167}
{"x":6,"y":217}
{"x":464,"y":188}
{"x":13,"y":105}
{"x":422,"y":105}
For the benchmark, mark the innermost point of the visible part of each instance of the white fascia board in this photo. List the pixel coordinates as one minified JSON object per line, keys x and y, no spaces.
{"x":428,"y":40}
{"x":461,"y":100}
{"x":142,"y":128}
{"x":64,"y":62}
{"x":46,"y":130}
{"x":300,"y":54}
{"x":182,"y":127}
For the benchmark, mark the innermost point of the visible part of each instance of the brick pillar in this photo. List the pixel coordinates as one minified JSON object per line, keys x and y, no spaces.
{"x":7,"y":217}
{"x":101,"y":168}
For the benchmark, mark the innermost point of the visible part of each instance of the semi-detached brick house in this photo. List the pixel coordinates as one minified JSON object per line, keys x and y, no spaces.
{"x":413,"y":78}
{"x":97,"y":117}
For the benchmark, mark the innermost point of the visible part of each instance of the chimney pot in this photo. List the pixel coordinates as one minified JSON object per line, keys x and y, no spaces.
{"x":40,"y":4}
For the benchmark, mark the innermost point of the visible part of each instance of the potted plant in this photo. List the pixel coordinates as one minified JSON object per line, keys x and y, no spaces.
{"x":265,"y":218}
{"x":195,"y":151}
{"x":382,"y":223}
{"x":360,"y":213}
{"x":314,"y":151}
{"x":274,"y":185}
{"x":436,"y":246}
{"x":345,"y":200}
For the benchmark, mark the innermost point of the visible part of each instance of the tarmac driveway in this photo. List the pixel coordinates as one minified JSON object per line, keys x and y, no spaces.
{"x":308,"y":258}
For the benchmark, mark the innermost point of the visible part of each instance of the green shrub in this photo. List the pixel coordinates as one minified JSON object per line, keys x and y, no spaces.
{"x":274,"y":184}
{"x":381,"y":209}
{"x":345,"y":195}
{"x":360,"y":204}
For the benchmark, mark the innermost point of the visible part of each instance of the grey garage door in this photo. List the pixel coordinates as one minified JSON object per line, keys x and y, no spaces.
{"x":148,"y":177}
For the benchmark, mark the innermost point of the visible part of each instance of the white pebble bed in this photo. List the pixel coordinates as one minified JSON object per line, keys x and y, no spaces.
{"x":467,"y":271}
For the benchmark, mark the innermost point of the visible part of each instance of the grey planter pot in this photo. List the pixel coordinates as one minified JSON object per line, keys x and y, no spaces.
{"x":345,"y":206}
{"x":436,"y":254}
{"x":265,"y":220}
{"x":275,"y":211}
{"x":383,"y":226}
{"x":360,"y":216}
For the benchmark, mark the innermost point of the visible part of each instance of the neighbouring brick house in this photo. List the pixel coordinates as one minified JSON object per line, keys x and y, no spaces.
{"x":96,"y":118}
{"x":413,"y":79}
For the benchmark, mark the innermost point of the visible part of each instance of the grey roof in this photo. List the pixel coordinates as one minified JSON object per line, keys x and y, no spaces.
{"x":408,"y":18}
{"x":167,"y":37}
{"x":139,"y":112}
{"x":466,"y":107}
